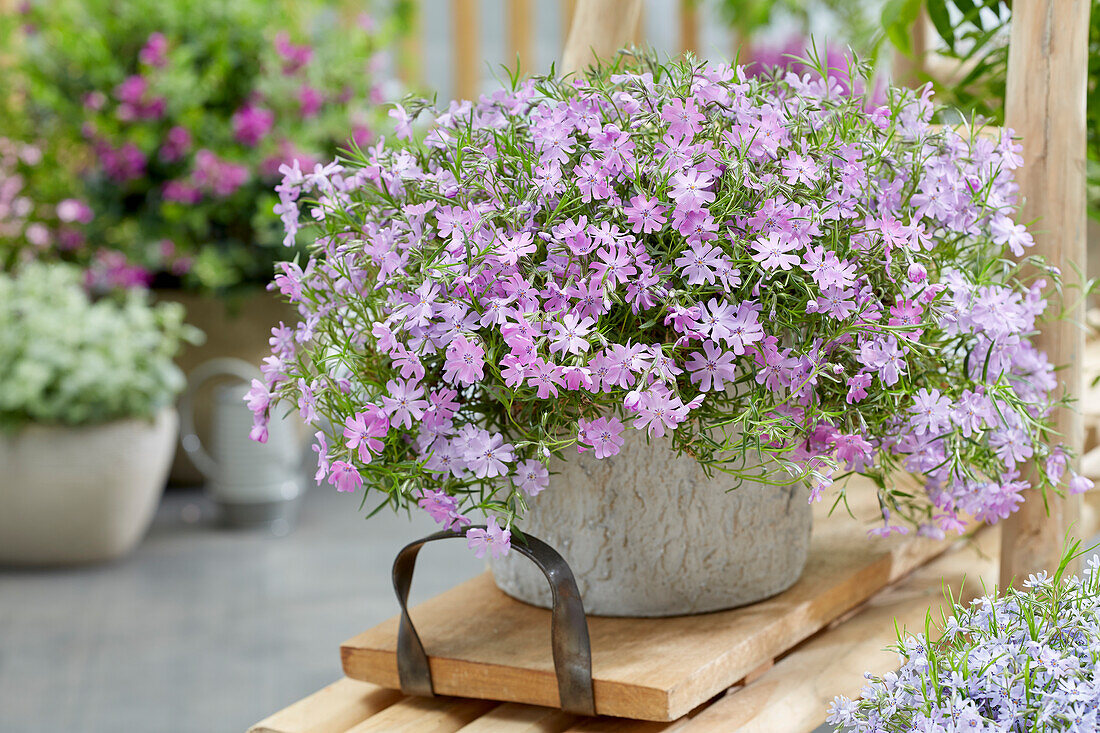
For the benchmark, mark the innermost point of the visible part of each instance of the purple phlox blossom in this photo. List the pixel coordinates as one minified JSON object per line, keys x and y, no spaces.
{"x":403,"y":403}
{"x":773,"y":251}
{"x":258,"y":397}
{"x":402,"y":122}
{"x":645,"y":215}
{"x":487,"y":455}
{"x":569,"y":334}
{"x":971,"y":411}
{"x":344,"y":476}
{"x":712,"y":367}
{"x":363,"y":431}
{"x":883,"y":355}
{"x":307,"y":401}
{"x":800,"y":169}
{"x":659,"y":410}
{"x":836,"y":302}
{"x":857,"y":387}
{"x":251,"y":124}
{"x":700,"y":263}
{"x":931,"y":412}
{"x":628,"y":360}
{"x":1016,"y":236}
{"x":465,"y":362}
{"x":493,"y":539}
{"x":907,"y":314}
{"x":602,"y":434}
{"x":683,"y":117}
{"x":689,"y":189}
{"x":531,"y":476}
{"x":1079,"y":484}
{"x":442,"y":507}
{"x":544,"y":377}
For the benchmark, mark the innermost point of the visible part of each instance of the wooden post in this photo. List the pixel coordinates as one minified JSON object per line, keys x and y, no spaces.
{"x":467,"y":64}
{"x":689,"y":26}
{"x":520,"y":20}
{"x":1045,"y":105}
{"x":599,"y":29}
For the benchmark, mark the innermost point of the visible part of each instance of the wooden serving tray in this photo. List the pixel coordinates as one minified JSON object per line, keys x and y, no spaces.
{"x":484,"y":644}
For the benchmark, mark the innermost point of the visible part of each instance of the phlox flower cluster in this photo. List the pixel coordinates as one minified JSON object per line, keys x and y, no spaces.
{"x":785,"y":281}
{"x":1027,"y":660}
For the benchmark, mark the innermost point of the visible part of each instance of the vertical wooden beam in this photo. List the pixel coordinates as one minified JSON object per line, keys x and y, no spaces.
{"x":464,"y":36}
{"x":689,"y":26}
{"x":1045,"y":105}
{"x":520,"y":21}
{"x":599,"y":29}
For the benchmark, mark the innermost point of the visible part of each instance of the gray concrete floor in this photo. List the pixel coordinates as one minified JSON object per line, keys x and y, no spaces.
{"x":203,"y":628}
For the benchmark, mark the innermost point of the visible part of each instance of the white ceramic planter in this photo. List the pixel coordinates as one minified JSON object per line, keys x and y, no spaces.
{"x":87,"y":494}
{"x":646,"y":533}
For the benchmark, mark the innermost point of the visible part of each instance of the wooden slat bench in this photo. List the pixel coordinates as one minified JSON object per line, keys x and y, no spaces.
{"x":791,"y":694}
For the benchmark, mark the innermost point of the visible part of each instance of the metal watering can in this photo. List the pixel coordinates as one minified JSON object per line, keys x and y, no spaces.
{"x":252,"y":483}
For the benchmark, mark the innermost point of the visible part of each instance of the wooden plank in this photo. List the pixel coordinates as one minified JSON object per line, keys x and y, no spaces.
{"x":599,"y":29}
{"x":794,"y":696}
{"x":332,"y":709}
{"x":467,"y":54}
{"x":1045,"y":105}
{"x":520,"y":23}
{"x":425,"y":715}
{"x":484,"y":644}
{"x":513,"y":718}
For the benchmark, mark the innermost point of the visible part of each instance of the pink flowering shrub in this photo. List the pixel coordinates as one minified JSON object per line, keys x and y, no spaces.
{"x":786,"y":284}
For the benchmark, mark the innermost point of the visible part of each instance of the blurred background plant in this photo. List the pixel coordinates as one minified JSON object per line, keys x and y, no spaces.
{"x":68,"y":360}
{"x":159,"y":127}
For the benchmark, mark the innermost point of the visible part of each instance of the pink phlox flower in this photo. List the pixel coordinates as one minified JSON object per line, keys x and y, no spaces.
{"x":645,"y":215}
{"x":800,"y":169}
{"x":711,"y":367}
{"x":614,"y":265}
{"x":403,"y":403}
{"x":512,"y":247}
{"x":531,"y":477}
{"x":363,"y":431}
{"x":683,"y":117}
{"x":971,"y":412}
{"x":715,"y":319}
{"x":854,"y":450}
{"x":907,"y":313}
{"x":744,"y":327}
{"x":465,"y":363}
{"x":1079,"y":484}
{"x":659,"y":410}
{"x":402,"y":122}
{"x":307,"y":402}
{"x":835,"y":302}
{"x":695,"y":224}
{"x":493,"y":539}
{"x":1016,"y":236}
{"x":602,"y":434}
{"x":699,"y":263}
{"x":577,"y":377}
{"x":773,"y":252}
{"x":628,"y":360}
{"x":569,"y":334}
{"x":442,"y":507}
{"x":344,"y":476}
{"x":883,"y":355}
{"x":258,"y":397}
{"x":544,"y":377}
{"x":689,"y":189}
{"x":682,"y":319}
{"x":931,"y":412}
{"x":591,"y":296}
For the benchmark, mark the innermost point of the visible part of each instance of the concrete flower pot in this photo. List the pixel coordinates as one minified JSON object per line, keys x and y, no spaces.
{"x":87,"y":494}
{"x":648,"y":534}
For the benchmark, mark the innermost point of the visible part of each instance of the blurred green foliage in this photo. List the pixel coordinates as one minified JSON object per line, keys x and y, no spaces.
{"x":314,"y":70}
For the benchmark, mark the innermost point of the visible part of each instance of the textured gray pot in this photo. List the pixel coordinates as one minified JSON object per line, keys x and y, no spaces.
{"x":648,"y":534}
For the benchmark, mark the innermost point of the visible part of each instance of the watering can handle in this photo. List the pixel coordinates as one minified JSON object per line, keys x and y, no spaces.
{"x":224,"y":367}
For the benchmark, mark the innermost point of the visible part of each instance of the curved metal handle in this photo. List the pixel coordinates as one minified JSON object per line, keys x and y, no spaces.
{"x":189,"y":438}
{"x":568,"y":626}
